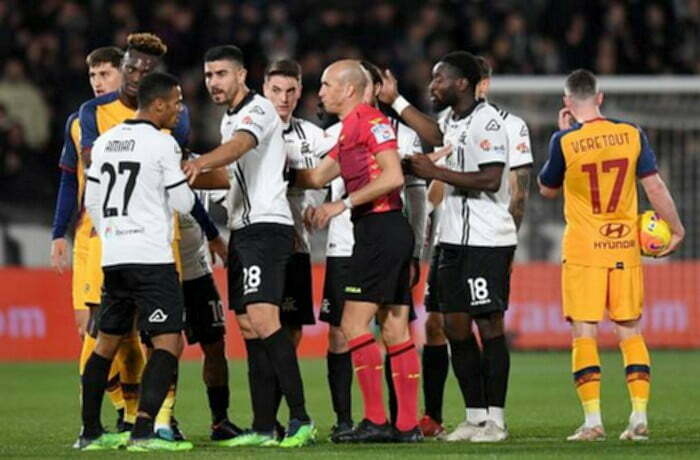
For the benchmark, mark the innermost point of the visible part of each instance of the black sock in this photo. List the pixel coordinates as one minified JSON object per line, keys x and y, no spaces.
{"x":283,"y":356}
{"x":466,"y":363}
{"x":159,"y":374}
{"x":218,"y":403}
{"x":277,"y":399}
{"x":94,"y":382}
{"x":262,"y":381}
{"x":436,"y":363}
{"x":393,"y":405}
{"x":496,"y":370}
{"x":340,"y":382}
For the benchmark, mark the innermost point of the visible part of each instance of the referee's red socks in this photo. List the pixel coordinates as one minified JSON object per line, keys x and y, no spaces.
{"x":367,"y":361}
{"x":405,"y":368}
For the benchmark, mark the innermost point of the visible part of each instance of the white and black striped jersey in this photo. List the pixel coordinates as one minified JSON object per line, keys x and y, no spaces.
{"x":194,"y":247}
{"x":340,"y":233}
{"x":305,"y":143}
{"x":134,"y":185}
{"x":471,"y":218}
{"x":258,"y":191}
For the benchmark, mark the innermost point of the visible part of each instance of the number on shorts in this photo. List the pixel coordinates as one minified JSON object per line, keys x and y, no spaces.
{"x":478,"y":288}
{"x":217,"y":311}
{"x":251,"y":278}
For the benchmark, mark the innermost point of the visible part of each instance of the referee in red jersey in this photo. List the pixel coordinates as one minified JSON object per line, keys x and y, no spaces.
{"x":379,"y":277}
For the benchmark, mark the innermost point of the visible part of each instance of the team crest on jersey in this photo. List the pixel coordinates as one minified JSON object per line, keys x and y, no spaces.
{"x":492,"y":125}
{"x":462,"y":137}
{"x":382,"y":132}
{"x":522,"y":147}
{"x":257,"y":109}
{"x":485,"y":145}
{"x":305,"y":149}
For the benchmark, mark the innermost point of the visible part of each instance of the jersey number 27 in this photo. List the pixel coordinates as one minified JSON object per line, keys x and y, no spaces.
{"x":132,"y":169}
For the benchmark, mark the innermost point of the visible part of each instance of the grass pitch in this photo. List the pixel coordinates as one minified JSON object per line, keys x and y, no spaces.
{"x":39,"y":414}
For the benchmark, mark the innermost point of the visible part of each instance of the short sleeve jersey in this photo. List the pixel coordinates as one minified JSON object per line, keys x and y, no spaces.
{"x":258,"y":191}
{"x":519,"y":147}
{"x":365,"y":132}
{"x":598,"y":163}
{"x":135,"y":165}
{"x":469,"y":217}
{"x":305,"y":143}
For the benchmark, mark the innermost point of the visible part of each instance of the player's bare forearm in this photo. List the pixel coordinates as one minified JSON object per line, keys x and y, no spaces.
{"x":662,"y":202}
{"x":212,"y":180}
{"x":228,"y":152}
{"x":390,"y":178}
{"x":317,"y":177}
{"x":487,"y":179}
{"x":519,"y":180}
{"x":436,"y":192}
{"x":426,"y":127}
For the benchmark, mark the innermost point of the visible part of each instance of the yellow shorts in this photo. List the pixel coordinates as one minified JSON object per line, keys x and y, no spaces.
{"x":93,"y":273}
{"x":588,"y":291}
{"x":80,"y":258}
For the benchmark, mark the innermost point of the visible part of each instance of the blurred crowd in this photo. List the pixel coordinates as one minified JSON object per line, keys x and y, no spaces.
{"x":43,"y":44}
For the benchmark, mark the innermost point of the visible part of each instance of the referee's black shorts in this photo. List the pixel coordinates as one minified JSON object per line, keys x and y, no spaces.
{"x":380,"y":266}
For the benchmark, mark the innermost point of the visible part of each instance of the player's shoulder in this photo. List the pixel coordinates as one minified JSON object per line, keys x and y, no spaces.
{"x":560,"y":134}
{"x":259,"y":105}
{"x":625,"y":123}
{"x":334,"y":129}
{"x":485,"y":117}
{"x":95,"y":102}
{"x":306,"y":128}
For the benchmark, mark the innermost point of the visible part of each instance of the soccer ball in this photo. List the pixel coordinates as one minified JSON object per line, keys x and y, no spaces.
{"x":654,"y":233}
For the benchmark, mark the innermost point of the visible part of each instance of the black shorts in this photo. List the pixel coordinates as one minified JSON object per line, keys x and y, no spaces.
{"x":257,"y":260}
{"x":474,"y":280}
{"x":297,"y":306}
{"x":431,"y":301}
{"x":150,"y":291}
{"x":337,"y":269}
{"x":204,"y":314}
{"x":380,"y":266}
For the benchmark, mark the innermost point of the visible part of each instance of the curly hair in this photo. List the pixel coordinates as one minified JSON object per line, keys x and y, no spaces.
{"x":146,"y":43}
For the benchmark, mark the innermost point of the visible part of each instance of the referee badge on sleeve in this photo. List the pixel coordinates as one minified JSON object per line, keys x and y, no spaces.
{"x":382,"y":133}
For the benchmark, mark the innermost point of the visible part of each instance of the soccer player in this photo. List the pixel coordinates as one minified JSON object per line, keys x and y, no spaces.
{"x":477,"y":234}
{"x":597,"y":161}
{"x":378,"y":281}
{"x":143,"y":55}
{"x":304,"y":143}
{"x":260,"y":245}
{"x":104,"y":76}
{"x":435,"y":353}
{"x":134,"y":184}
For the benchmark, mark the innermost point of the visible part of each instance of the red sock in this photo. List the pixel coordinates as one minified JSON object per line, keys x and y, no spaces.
{"x":367,"y":361}
{"x":406,"y":374}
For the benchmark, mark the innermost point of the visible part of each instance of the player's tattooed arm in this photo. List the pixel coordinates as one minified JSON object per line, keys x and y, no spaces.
{"x":426,"y":127}
{"x":519,"y":181}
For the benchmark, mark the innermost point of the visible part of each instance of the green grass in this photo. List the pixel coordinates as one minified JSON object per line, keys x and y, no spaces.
{"x":39,"y":415}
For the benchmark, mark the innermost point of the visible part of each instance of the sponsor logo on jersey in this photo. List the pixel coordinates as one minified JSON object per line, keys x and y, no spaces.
{"x":257,"y":109}
{"x":492,"y":125}
{"x":485,"y":145}
{"x":247,"y":120}
{"x":353,"y":290}
{"x":158,"y":316}
{"x":614,"y":230}
{"x":626,"y":244}
{"x":382,"y":133}
{"x":522,"y":147}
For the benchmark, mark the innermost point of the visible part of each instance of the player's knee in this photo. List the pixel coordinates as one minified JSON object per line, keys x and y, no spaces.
{"x":434,"y":329}
{"x":336,"y":340}
{"x":458,"y":330}
{"x":170,"y":342}
{"x":395,"y":332}
{"x":491,"y":326}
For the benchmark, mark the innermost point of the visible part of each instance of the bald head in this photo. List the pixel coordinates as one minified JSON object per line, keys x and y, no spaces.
{"x":343,"y":85}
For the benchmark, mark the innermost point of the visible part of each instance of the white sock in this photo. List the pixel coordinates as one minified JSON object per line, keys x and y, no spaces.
{"x":637,"y":418}
{"x":158,"y":426}
{"x":498,"y":416}
{"x":593,"y":419}
{"x":476,"y":415}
